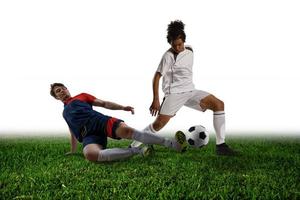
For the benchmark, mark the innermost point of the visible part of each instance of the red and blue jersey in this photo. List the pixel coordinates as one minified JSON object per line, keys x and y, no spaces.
{"x":81,"y":118}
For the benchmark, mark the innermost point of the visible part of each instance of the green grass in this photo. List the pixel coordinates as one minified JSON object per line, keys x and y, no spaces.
{"x":36,"y":168}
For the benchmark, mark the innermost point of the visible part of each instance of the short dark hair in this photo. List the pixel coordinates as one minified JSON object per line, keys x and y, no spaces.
{"x":176,"y":31}
{"x":53,"y":85}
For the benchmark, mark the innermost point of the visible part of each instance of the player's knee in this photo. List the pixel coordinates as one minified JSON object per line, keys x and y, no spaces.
{"x":90,"y":154}
{"x":212,"y":103}
{"x":124,"y":132}
{"x":128,"y":133}
{"x":219,"y":105}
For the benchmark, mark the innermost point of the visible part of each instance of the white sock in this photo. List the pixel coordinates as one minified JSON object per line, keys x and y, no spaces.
{"x":117,"y":153}
{"x":219,"y":125}
{"x":148,"y":129}
{"x":148,"y":138}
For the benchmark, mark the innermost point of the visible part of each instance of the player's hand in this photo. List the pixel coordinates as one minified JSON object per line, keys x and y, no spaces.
{"x":129,"y":108}
{"x":154,"y":108}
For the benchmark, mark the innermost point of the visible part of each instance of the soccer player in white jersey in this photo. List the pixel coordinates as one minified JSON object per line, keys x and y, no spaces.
{"x":176,"y":69}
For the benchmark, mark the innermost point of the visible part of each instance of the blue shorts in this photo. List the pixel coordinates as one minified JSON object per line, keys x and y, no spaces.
{"x":95,"y":139}
{"x":97,"y":133}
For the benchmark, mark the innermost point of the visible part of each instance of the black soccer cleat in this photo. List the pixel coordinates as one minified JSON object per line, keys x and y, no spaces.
{"x":224,"y":150}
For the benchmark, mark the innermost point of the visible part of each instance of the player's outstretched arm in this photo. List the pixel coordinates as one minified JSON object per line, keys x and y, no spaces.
{"x":112,"y":106}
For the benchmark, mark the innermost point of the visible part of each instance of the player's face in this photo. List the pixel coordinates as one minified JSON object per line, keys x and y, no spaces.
{"x":177,"y":45}
{"x":61,"y":93}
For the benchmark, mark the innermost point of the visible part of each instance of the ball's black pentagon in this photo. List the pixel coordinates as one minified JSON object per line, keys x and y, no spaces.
{"x":191,"y":142}
{"x":192,"y":129}
{"x":202,"y":135}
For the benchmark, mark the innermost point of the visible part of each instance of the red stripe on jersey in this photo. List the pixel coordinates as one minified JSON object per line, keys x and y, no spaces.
{"x":84,"y":97}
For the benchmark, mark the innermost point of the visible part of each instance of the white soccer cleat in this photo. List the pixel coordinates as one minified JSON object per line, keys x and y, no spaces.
{"x":135,"y":144}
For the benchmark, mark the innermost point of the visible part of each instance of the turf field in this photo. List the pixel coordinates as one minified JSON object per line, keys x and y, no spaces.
{"x":36,"y":168}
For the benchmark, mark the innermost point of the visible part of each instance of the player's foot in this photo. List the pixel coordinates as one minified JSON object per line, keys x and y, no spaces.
{"x":147,"y":151}
{"x":181,"y":141}
{"x":224,"y":150}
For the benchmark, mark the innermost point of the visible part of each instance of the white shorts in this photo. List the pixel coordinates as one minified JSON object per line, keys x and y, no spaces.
{"x":173,"y":102}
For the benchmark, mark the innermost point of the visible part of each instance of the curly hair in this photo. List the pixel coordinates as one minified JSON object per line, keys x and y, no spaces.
{"x":176,"y":31}
{"x":53,"y":85}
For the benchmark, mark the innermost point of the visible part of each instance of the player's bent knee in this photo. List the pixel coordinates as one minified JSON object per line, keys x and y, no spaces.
{"x":212,"y":103}
{"x":91,"y":156}
{"x":91,"y":153}
{"x":128,"y":133}
{"x":124,"y":132}
{"x":219,"y":105}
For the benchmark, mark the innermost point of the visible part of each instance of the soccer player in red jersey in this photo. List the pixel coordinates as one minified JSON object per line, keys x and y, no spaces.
{"x":92,"y":128}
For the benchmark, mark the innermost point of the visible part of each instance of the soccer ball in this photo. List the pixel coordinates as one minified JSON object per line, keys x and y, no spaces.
{"x":197,"y":136}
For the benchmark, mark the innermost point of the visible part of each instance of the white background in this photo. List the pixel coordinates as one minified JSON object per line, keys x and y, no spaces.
{"x":247,"y":53}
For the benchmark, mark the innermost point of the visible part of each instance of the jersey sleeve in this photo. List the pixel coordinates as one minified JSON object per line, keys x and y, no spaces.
{"x":164,"y":64}
{"x":88,"y":98}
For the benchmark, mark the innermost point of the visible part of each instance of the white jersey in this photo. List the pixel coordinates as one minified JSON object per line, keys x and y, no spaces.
{"x":177,"y":71}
